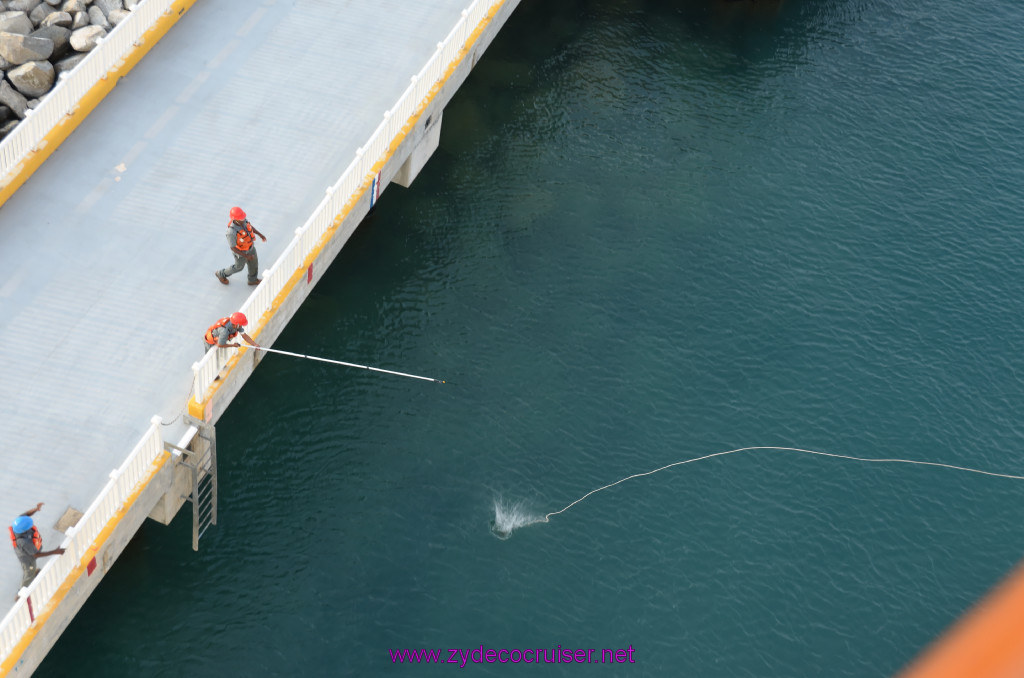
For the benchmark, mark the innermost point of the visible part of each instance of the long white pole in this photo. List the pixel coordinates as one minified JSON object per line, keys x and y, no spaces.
{"x":341,"y":362}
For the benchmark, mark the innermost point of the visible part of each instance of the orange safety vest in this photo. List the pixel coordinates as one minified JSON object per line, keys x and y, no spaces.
{"x":37,"y":538}
{"x":212,"y":340}
{"x":243,"y":236}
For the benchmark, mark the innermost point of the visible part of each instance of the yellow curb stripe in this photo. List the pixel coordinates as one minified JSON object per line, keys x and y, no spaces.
{"x":202,"y":409}
{"x":71,"y":580}
{"x":20,"y":173}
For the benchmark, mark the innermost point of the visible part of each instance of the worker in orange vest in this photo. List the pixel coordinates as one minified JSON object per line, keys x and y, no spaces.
{"x":28,"y":545}
{"x":240,"y":240}
{"x":226,"y":329}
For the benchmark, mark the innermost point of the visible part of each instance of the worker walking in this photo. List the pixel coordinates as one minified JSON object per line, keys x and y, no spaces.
{"x":240,"y":240}
{"x":28,"y":545}
{"x":226,"y":329}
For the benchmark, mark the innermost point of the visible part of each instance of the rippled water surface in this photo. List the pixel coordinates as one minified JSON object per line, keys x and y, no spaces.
{"x":654,"y":230}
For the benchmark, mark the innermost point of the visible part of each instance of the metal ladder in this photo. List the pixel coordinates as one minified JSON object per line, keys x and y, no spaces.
{"x":202,"y":462}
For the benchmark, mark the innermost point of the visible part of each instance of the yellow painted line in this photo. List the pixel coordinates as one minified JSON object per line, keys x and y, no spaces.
{"x":12,"y":660}
{"x":203,"y":409}
{"x":20,"y":173}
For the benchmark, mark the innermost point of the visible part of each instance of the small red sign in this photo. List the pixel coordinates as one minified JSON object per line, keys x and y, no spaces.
{"x":309,"y":274}
{"x":91,"y":566}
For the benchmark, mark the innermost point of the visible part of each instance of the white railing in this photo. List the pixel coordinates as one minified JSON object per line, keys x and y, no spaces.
{"x":63,"y":99}
{"x":124,"y":481}
{"x":60,"y":102}
{"x":355,"y":178}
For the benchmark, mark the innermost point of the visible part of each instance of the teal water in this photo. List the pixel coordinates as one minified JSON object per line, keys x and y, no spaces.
{"x":654,"y":230}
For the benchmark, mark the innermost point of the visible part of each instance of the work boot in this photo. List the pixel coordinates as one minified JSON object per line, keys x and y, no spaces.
{"x":254,"y":282}
{"x":222,"y":279}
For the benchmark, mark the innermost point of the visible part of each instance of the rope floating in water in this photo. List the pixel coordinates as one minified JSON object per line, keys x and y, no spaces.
{"x":508,"y":520}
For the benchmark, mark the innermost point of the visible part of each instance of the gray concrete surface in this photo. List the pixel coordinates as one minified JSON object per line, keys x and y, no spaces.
{"x":107,"y":253}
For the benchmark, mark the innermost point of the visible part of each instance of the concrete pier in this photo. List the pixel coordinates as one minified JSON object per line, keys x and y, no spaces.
{"x":108,"y":251}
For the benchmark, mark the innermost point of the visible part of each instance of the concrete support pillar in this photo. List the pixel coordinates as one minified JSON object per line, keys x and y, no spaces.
{"x":419,"y":156}
{"x":169,"y":504}
{"x":181,"y":475}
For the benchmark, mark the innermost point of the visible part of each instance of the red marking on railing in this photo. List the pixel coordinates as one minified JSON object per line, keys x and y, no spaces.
{"x":309,"y":274}
{"x":31,"y":615}
{"x":91,"y":566}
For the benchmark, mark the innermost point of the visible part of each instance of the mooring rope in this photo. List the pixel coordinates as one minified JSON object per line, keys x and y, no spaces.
{"x":785,"y":449}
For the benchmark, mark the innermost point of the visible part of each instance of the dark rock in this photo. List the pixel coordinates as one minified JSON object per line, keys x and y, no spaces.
{"x":23,"y":5}
{"x":8,"y":127}
{"x":33,"y":79}
{"x":39,"y":13}
{"x":15,"y":22}
{"x":59,"y":36}
{"x":107,"y":6}
{"x":13,"y":99}
{"x":98,"y":18}
{"x":66,"y":65}
{"x":19,"y":49}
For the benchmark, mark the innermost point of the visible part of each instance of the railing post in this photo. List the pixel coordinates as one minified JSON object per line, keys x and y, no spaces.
{"x":197,"y":382}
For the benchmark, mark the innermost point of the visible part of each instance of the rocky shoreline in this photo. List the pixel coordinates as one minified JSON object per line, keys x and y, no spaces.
{"x":40,"y":40}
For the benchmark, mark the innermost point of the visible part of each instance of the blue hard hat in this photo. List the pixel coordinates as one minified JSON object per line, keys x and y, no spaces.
{"x":22,"y":524}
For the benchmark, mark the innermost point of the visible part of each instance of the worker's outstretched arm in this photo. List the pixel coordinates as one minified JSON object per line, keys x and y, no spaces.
{"x":54,"y":552}
{"x":31,"y":511}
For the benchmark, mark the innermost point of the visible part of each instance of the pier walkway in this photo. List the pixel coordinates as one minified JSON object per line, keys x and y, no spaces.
{"x":107,"y":251}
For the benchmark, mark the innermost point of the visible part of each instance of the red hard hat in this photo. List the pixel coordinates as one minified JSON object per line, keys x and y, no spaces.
{"x":237,"y":213}
{"x":239,"y":319}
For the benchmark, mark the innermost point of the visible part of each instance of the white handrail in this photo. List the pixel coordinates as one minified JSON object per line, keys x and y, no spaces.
{"x":359,"y":171}
{"x":61,"y":101}
{"x":123,"y":482}
{"x":66,"y":96}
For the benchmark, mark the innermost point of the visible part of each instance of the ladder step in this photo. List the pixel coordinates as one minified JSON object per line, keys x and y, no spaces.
{"x":203,"y":467}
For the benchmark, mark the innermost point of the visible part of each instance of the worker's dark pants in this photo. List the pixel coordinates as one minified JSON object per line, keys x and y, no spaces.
{"x":28,"y":573}
{"x":241,"y":262}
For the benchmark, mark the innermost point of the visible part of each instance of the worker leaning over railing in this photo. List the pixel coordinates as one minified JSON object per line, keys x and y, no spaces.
{"x":226,"y":329}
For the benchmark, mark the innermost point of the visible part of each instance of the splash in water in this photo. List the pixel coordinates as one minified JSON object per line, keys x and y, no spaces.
{"x":511,"y":516}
